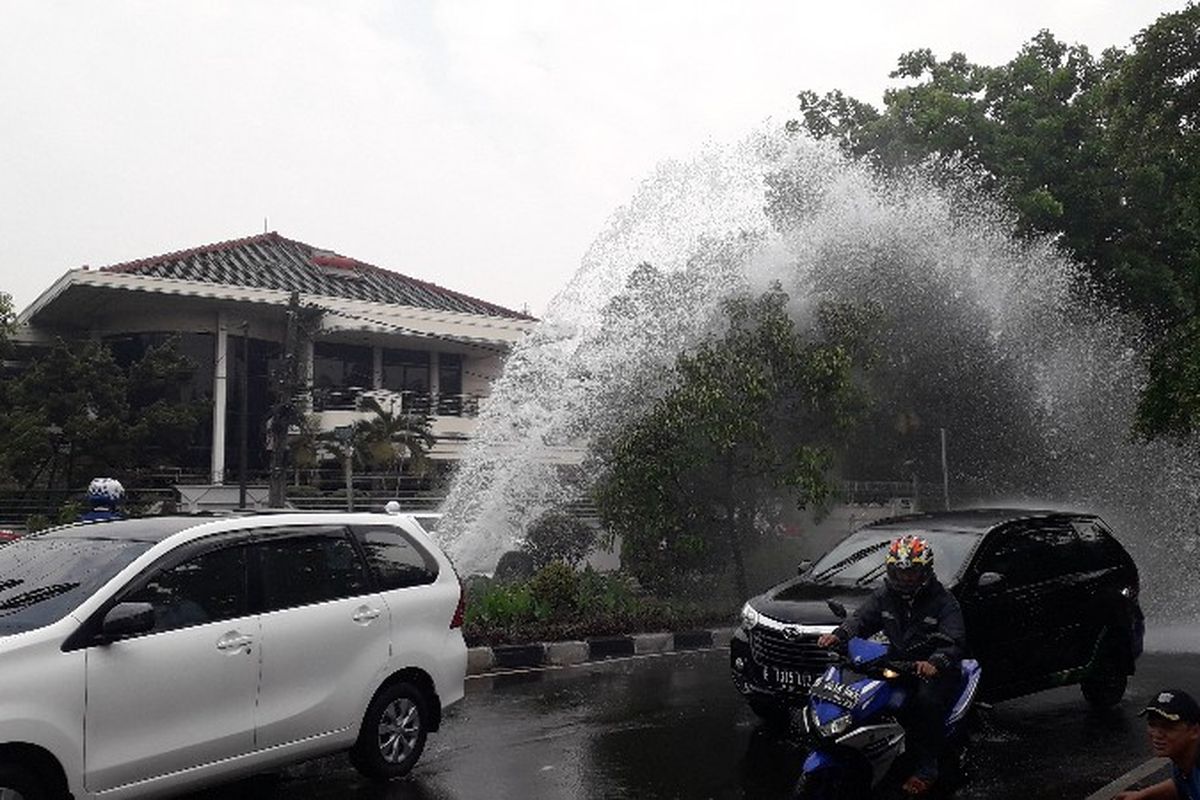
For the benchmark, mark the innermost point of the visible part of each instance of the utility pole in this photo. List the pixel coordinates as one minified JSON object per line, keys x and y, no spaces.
{"x":349,"y":465}
{"x":345,"y":437}
{"x":243,"y":425}
{"x":945,"y":473}
{"x":284,"y":410}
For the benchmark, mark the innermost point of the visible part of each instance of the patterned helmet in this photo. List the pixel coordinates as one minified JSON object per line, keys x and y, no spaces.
{"x":105,"y":493}
{"x":909,"y":565}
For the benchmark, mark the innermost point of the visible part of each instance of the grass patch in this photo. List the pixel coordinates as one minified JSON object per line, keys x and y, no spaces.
{"x":560,"y":604}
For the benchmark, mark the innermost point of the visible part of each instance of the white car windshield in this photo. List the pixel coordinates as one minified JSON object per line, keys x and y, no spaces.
{"x":42,"y":578}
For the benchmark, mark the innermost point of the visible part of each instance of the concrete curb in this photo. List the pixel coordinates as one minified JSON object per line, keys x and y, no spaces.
{"x":484,"y":660}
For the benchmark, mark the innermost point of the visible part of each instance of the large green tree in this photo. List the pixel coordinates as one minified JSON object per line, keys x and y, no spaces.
{"x":1101,"y":152}
{"x":8,"y":320}
{"x":74,"y":412}
{"x":754,"y":415}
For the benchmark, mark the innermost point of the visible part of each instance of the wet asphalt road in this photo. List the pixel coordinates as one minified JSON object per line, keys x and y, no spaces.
{"x":673,"y":727}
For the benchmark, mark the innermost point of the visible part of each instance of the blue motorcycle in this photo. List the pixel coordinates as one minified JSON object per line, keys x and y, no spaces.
{"x":851,"y":722}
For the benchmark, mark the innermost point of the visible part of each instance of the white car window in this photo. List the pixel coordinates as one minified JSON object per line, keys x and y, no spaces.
{"x":309,"y":566}
{"x":208,"y":588}
{"x":396,"y":561}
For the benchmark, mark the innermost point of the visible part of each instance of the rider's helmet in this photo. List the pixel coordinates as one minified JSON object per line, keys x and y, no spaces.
{"x":909,"y":565}
{"x":105,"y":493}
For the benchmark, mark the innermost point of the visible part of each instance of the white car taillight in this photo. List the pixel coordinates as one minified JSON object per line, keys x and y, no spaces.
{"x":457,"y":620}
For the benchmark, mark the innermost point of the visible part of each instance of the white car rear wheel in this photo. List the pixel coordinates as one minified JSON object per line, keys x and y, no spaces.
{"x":393,"y":733}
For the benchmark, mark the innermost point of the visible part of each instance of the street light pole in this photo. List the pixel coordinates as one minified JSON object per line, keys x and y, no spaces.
{"x":945,"y":473}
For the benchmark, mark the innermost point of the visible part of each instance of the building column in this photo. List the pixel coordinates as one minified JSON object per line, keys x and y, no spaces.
{"x":220,"y":395}
{"x":376,"y":367}
{"x":435,"y":381}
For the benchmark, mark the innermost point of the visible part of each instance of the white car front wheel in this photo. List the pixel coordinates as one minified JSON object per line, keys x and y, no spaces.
{"x":18,"y":783}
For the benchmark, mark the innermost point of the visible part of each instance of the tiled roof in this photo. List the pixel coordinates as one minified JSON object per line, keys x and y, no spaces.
{"x":269,"y":261}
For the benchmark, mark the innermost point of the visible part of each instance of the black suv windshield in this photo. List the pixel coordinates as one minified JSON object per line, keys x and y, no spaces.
{"x":858,"y":559}
{"x":44,"y":577}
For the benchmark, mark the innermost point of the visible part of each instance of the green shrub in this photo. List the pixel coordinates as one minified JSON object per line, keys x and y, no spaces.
{"x":601,"y":594}
{"x":559,"y":603}
{"x":37,"y":522}
{"x":69,"y":512}
{"x":557,"y":536}
{"x":555,"y":589}
{"x":496,"y":605}
{"x":514,"y":566}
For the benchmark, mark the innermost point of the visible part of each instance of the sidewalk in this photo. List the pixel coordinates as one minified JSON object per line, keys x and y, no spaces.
{"x":485,"y":660}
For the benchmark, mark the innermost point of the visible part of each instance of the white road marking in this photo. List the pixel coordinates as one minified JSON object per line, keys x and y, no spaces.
{"x":616,"y":660}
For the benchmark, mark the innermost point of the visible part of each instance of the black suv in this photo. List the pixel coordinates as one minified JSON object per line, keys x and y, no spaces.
{"x":1050,"y":599}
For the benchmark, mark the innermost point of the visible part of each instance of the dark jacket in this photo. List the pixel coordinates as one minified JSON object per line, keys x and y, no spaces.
{"x":908,"y":625}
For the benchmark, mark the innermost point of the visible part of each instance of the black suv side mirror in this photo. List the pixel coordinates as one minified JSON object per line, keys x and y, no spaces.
{"x":127,"y":619}
{"x":987,"y":579}
{"x":804,"y":566}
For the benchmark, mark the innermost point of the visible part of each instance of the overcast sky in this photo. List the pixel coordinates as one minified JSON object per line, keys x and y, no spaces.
{"x":480,"y":145}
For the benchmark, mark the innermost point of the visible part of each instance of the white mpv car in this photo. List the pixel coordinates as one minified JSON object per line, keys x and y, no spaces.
{"x":153,"y":656}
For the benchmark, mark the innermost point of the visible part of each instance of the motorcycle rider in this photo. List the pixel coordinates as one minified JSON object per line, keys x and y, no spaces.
{"x":104,"y":498}
{"x":923,"y":623}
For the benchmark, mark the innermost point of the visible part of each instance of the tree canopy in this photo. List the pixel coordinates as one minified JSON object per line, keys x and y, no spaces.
{"x":1101,"y":152}
{"x":754,"y":415}
{"x":8,"y":320}
{"x":75,"y":412}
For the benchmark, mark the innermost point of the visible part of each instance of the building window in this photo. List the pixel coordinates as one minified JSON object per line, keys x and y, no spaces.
{"x":340,"y":373}
{"x":406,"y":371}
{"x":450,"y":384}
{"x":341,"y":366}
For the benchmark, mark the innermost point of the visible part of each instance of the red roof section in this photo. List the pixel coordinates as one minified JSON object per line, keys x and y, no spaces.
{"x":271,"y":261}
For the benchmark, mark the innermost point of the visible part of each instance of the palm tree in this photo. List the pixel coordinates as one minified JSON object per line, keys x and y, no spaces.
{"x":305,"y":447}
{"x":395,"y":439}
{"x":349,"y":445}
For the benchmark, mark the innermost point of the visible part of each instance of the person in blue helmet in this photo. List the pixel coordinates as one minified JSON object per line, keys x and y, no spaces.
{"x":104,"y":499}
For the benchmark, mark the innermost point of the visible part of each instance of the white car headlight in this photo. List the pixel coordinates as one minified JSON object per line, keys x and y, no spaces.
{"x":749,"y":617}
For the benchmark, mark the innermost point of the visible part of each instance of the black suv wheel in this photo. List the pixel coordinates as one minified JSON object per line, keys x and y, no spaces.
{"x":1105,"y":686}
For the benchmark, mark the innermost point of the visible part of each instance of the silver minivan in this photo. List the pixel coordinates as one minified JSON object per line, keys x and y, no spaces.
{"x":154,"y":656}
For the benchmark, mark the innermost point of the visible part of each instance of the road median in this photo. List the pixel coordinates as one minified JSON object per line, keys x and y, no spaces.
{"x":501,"y":658}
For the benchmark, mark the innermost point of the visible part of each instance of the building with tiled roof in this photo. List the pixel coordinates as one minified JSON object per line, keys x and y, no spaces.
{"x":414,"y":342}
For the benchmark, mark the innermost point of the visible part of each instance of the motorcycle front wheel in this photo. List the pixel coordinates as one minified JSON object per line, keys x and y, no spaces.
{"x":835,"y":783}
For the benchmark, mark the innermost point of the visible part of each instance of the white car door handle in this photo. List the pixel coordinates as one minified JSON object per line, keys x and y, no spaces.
{"x":234,"y":641}
{"x":365,"y":614}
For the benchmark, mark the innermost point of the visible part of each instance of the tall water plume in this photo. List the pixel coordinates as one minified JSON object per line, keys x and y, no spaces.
{"x":991,"y":336}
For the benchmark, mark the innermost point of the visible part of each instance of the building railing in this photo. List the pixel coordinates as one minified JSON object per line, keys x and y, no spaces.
{"x":346,"y":398}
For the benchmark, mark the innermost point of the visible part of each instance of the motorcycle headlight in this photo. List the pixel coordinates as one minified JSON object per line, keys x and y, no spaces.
{"x":749,"y":617}
{"x":835,"y":727}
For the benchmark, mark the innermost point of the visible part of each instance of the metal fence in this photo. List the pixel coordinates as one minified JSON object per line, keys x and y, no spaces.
{"x":324,"y":490}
